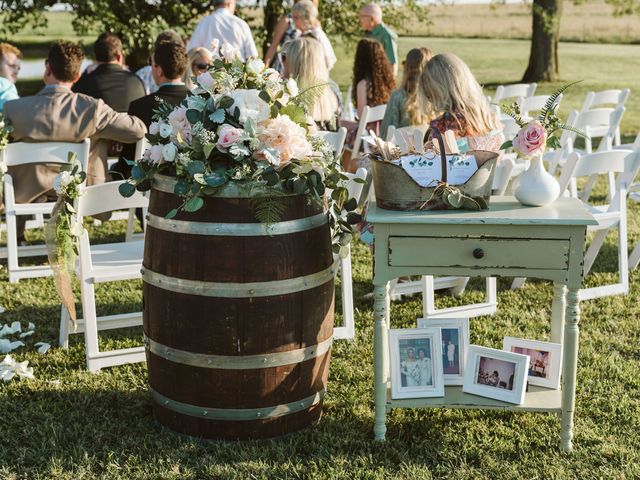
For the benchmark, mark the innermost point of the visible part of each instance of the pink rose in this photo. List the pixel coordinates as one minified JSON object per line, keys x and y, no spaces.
{"x":530,"y":140}
{"x":228,"y":135}
{"x":155,"y":155}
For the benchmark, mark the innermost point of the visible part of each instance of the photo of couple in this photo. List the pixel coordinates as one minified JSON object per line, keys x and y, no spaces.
{"x":416,"y":365}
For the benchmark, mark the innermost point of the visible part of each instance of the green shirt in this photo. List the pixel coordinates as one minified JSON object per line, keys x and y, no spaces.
{"x":389,"y":40}
{"x":396,"y":112}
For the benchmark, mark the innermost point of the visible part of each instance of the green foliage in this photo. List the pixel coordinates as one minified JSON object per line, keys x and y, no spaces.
{"x":269,"y":207}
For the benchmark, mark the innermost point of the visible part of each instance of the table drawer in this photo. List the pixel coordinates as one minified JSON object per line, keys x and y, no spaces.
{"x":545,"y":254}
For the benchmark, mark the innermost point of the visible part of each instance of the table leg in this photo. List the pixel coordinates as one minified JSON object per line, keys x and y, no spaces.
{"x":570,"y":365}
{"x":558,"y":311}
{"x":381,"y":357}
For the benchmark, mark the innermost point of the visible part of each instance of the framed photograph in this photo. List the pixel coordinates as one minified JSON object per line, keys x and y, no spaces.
{"x":416,"y":363}
{"x":545,"y":359}
{"x":496,"y":374}
{"x":455,"y":342}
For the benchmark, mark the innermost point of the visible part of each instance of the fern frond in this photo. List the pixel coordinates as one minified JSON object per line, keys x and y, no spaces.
{"x":309,"y":95}
{"x":514,"y":112}
{"x":550,"y":103}
{"x":269,"y":209}
{"x":564,"y":126}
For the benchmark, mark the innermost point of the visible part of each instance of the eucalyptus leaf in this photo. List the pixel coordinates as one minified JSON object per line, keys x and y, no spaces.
{"x":181,"y":188}
{"x":353,"y":218}
{"x":193,"y":204}
{"x":126,"y":189}
{"x":193,"y":116}
{"x":136,"y":172}
{"x":215,"y":179}
{"x":507,"y":144}
{"x":171,"y":214}
{"x":225,"y":102}
{"x":196,"y":167}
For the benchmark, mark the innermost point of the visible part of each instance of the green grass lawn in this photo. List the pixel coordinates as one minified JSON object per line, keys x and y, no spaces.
{"x":70,"y":424}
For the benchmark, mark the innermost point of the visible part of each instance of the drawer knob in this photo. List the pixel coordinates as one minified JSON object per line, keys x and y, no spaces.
{"x":478,"y":253}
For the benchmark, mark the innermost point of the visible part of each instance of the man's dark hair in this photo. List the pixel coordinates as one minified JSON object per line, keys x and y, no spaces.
{"x":172,"y":58}
{"x":65,"y":59}
{"x":107,"y":47}
{"x":169,"y":36}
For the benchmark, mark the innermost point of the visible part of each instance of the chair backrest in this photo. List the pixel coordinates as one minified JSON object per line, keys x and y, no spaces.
{"x":141,"y":145}
{"x":613,"y":97}
{"x":106,"y":198}
{"x":369,"y":114}
{"x":335,"y":139}
{"x":347,"y":106}
{"x":398,"y":136}
{"x":535,"y":103}
{"x":504,"y":92}
{"x":355,"y":187}
{"x":601,"y":122}
{"x":22,"y":153}
{"x":624,"y":163}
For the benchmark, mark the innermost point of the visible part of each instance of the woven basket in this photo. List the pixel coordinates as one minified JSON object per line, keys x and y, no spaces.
{"x":396,"y":190}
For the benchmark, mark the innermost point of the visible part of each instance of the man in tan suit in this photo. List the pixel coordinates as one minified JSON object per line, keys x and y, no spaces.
{"x":56,"y":114}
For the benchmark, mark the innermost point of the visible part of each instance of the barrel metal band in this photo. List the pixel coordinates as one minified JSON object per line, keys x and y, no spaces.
{"x":236,"y":413}
{"x":235,"y":362}
{"x":238,"y":290}
{"x":237,"y":229}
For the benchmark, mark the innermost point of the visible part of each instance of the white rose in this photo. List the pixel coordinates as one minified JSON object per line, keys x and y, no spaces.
{"x":165,"y":130}
{"x":154,"y":128}
{"x":292,"y":87}
{"x":255,"y":66}
{"x":61,"y":180}
{"x":250,"y":105}
{"x":229,"y":52}
{"x":205,"y":80}
{"x":214,"y":47}
{"x":156,"y":153}
{"x":3,"y":168}
{"x":146,"y":155}
{"x":169,"y":152}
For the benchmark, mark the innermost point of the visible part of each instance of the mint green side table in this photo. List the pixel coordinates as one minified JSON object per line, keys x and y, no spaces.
{"x":509,"y":239}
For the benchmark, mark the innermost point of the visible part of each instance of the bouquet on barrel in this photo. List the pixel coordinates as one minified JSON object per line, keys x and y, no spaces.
{"x":244,"y":124}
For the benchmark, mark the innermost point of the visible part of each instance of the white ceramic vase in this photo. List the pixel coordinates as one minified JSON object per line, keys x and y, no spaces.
{"x":536,"y":186}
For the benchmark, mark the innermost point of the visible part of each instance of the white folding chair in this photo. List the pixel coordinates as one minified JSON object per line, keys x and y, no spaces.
{"x":100,"y":263}
{"x":22,"y":153}
{"x":347,"y":106}
{"x":335,"y":139}
{"x":625,"y":164}
{"x":531,"y":106}
{"x":347,"y":331}
{"x":606,"y":100}
{"x":369,"y":114}
{"x":506,"y":92}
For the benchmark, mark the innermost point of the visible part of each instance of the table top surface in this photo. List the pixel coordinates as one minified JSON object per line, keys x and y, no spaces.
{"x":502,"y":211}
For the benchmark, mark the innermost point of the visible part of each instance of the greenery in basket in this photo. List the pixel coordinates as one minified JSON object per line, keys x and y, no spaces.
{"x":535,"y":135}
{"x":245,"y":124}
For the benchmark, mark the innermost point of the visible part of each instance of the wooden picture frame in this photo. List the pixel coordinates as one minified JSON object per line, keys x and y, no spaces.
{"x":545,"y":360}
{"x":496,"y":374}
{"x":416,"y":363}
{"x":455,"y":343}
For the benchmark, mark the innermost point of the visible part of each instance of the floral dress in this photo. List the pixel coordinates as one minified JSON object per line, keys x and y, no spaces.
{"x":466,"y":138}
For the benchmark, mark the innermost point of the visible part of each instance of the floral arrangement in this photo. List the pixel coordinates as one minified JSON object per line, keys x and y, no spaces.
{"x":534,"y":136}
{"x":62,"y":230}
{"x":244,"y":124}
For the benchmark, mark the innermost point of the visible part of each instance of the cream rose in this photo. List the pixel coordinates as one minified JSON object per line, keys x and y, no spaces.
{"x":169,"y":152}
{"x":155,"y":155}
{"x":286,"y":137}
{"x":154,"y":128}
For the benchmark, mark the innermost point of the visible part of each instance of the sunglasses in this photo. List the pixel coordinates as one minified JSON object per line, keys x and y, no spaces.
{"x":201,"y":66}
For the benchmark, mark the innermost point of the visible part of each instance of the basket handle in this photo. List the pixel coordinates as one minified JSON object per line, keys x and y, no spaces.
{"x":435,"y":133}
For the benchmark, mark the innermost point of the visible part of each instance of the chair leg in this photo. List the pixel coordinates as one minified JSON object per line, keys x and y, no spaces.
{"x":594,"y":248}
{"x":347,"y":297}
{"x":12,"y":246}
{"x":634,"y":258}
{"x":517,"y":283}
{"x":65,"y":318}
{"x":460,"y":287}
{"x":90,"y":323}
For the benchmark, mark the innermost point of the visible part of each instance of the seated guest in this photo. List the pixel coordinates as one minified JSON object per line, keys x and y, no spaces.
{"x":304,"y":62}
{"x":403,"y":109}
{"x":222,"y":25}
{"x":56,"y":114}
{"x":373,"y":82}
{"x":454,"y":101}
{"x":168,"y":64}
{"x":9,"y":69}
{"x":144,"y":73}
{"x":199,"y":62}
{"x":305,"y":19}
{"x":110,"y":81}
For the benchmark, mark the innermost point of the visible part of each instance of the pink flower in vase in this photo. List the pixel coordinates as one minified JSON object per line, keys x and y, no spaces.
{"x":531,"y":140}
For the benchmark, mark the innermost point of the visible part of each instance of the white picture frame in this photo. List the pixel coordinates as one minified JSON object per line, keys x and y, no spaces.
{"x":455,"y":343}
{"x":496,"y":374}
{"x":544,"y":363}
{"x":410,"y":378}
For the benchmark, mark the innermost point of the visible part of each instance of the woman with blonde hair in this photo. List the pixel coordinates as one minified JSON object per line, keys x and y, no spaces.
{"x":304,"y":62}
{"x":453,"y":99}
{"x":403,"y":108}
{"x":199,"y":62}
{"x":305,"y":18}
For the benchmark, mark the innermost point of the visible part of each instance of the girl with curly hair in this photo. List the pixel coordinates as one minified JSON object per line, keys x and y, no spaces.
{"x":453,"y":99}
{"x":403,"y":109}
{"x":373,"y":82}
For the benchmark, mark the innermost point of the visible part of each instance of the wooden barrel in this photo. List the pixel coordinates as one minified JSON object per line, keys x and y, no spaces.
{"x":238,"y":316}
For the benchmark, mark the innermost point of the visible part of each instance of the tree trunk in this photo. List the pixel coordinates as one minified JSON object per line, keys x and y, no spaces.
{"x":543,"y":60}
